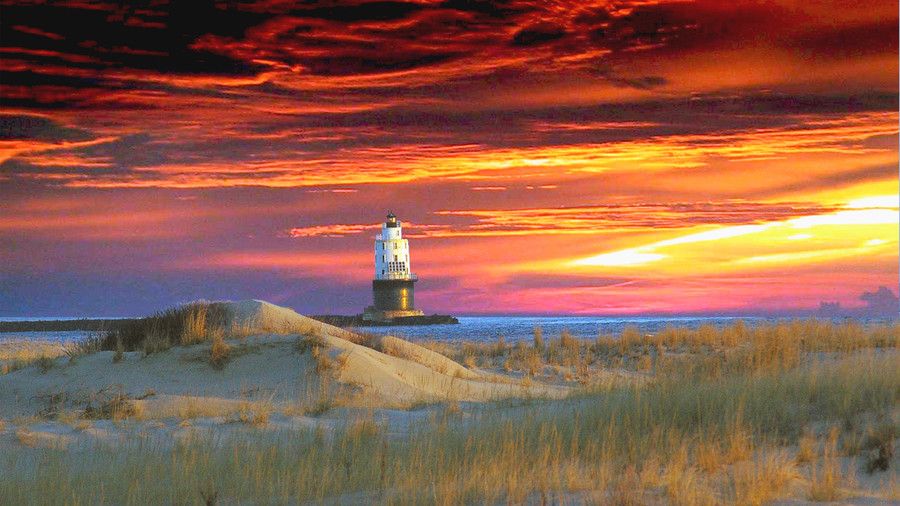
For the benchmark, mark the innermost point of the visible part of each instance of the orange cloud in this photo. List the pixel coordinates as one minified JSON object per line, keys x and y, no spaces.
{"x":816,"y":136}
{"x":331,"y":230}
{"x":700,"y":155}
{"x":25,"y":148}
{"x":611,"y":218}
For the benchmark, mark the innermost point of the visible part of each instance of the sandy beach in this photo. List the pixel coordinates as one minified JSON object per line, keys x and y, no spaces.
{"x":292,"y":384}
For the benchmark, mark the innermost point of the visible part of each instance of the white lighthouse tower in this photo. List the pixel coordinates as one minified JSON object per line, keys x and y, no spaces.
{"x":392,"y":251}
{"x":393,"y":285}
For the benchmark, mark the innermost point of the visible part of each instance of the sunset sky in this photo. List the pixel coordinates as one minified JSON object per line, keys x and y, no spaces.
{"x":558,"y":156}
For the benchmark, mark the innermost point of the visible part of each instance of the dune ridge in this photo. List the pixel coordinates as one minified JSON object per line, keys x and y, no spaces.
{"x":265,"y":364}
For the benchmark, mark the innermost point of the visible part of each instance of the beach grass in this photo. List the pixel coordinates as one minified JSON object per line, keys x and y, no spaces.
{"x":596,"y":446}
{"x":184,"y":325}
{"x":704,"y":351}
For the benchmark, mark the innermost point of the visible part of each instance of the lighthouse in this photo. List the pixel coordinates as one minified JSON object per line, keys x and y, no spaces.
{"x":394,"y":282}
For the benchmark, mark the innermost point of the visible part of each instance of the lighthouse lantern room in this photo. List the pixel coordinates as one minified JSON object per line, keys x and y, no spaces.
{"x":393,"y":285}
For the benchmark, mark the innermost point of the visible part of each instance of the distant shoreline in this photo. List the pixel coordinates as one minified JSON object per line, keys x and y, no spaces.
{"x":108,"y":324}
{"x":88,"y":324}
{"x":358,"y":321}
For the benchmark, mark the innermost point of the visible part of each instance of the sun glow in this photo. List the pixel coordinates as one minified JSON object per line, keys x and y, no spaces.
{"x":624,"y":258}
{"x":880,"y":201}
{"x":862,"y":229}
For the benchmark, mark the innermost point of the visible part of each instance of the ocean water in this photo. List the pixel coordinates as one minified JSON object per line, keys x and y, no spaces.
{"x":490,"y":328}
{"x":60,"y":337}
{"x":521,"y":328}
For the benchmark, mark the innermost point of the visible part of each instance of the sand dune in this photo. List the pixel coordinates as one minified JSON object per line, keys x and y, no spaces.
{"x":265,"y":366}
{"x":306,"y":412}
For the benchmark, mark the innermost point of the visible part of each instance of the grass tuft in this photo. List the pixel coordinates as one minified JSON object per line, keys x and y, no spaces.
{"x":110,"y":403}
{"x":219,"y":353}
{"x":826,"y":476}
{"x":188,"y":324}
{"x":762,"y":480}
{"x":255,"y":414}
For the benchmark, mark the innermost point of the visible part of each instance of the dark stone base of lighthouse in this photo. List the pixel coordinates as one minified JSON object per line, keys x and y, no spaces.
{"x":394,"y":298}
{"x":394,"y":305}
{"x":361,"y":320}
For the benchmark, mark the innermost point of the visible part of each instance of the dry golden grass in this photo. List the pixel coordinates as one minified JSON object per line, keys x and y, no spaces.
{"x":627,"y":490}
{"x":700,"y":432}
{"x":538,"y":340}
{"x":29,"y":350}
{"x":18,"y":354}
{"x":825,"y":479}
{"x":324,"y":363}
{"x":185,"y":325}
{"x":189,"y":408}
{"x":319,"y":399}
{"x":763,"y":479}
{"x":219,"y":352}
{"x":255,"y":414}
{"x":739,"y":443}
{"x":112,"y":403}
{"x":892,"y":488}
{"x":550,"y":450}
{"x":708,"y":456}
{"x":363,"y":428}
{"x":806,"y":448}
{"x":310,"y":343}
{"x":704,"y":352}
{"x":68,"y":417}
{"x":684,"y":485}
{"x":26,"y":437}
{"x":533,"y":364}
{"x":195,"y":328}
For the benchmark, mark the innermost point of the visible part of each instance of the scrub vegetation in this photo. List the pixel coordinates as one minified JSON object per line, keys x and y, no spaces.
{"x":193,"y":323}
{"x":189,"y":324}
{"x":736,"y":415}
{"x":703,"y":352}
